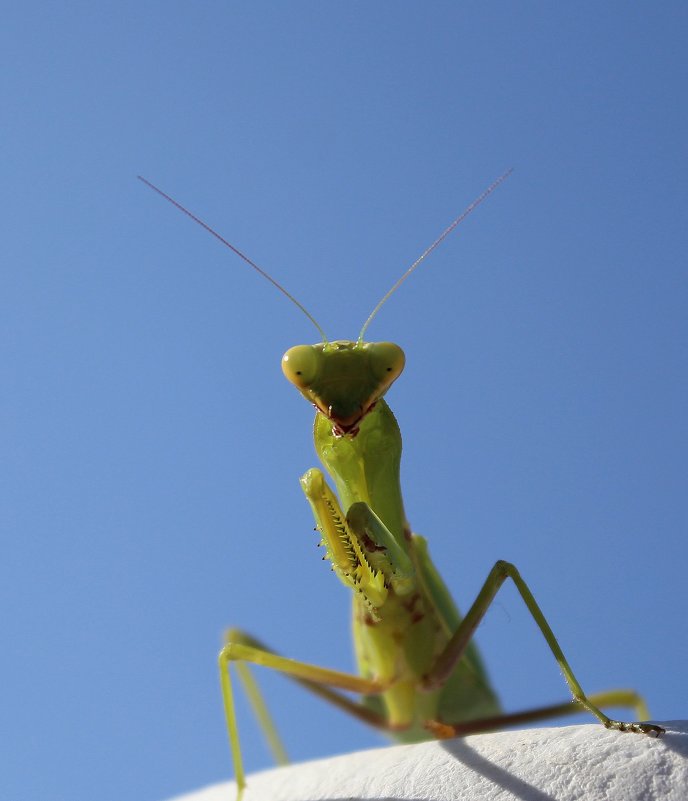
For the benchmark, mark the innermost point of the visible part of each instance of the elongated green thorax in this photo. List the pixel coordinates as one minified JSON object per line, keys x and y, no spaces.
{"x":366,"y":467}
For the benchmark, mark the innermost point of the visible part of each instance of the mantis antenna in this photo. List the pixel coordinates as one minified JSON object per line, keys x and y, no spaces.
{"x":490,"y":189}
{"x":238,"y":252}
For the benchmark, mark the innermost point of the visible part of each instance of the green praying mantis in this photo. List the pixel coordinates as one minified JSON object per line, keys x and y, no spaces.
{"x":420,"y":674}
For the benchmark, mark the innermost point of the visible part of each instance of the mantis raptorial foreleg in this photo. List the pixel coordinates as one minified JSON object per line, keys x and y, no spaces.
{"x":458,"y":643}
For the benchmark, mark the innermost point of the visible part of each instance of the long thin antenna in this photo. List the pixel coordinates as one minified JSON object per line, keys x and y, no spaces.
{"x":237,"y":251}
{"x":490,"y":189}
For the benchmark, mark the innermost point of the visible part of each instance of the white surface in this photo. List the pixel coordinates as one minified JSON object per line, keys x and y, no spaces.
{"x":575,"y":762}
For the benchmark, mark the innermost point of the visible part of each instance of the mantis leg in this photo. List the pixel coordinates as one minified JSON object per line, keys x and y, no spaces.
{"x":320,"y":680}
{"x":456,"y":647}
{"x":610,"y":698}
{"x":260,"y":710}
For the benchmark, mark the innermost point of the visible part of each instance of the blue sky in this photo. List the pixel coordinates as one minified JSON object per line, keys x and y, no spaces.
{"x":151,"y":447}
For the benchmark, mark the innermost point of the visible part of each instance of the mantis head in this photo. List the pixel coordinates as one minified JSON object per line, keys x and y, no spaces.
{"x":344,"y":380}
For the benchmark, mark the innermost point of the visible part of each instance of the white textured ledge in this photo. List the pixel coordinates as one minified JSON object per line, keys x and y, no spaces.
{"x":555,"y":764}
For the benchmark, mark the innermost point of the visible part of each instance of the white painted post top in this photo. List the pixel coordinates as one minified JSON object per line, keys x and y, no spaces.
{"x":585,"y":763}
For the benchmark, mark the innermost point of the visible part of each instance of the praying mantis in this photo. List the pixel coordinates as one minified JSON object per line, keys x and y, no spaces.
{"x":420,"y":674}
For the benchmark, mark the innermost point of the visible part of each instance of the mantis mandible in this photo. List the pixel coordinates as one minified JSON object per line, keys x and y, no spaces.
{"x":421,"y":676}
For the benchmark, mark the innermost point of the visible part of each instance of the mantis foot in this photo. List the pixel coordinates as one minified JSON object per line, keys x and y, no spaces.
{"x":649,"y":729}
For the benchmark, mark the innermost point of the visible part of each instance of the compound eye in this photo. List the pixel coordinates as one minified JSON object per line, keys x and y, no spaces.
{"x":387,"y":360}
{"x":300,"y":365}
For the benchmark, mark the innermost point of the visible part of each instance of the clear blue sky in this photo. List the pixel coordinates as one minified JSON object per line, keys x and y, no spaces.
{"x":150,"y":445}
